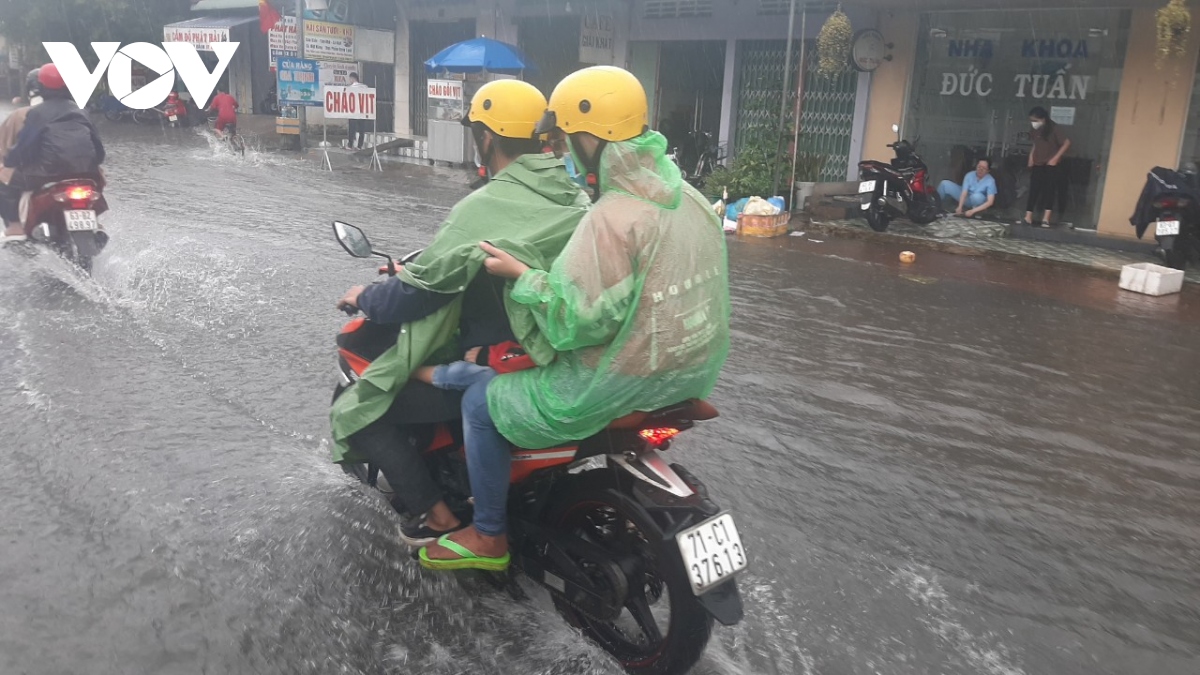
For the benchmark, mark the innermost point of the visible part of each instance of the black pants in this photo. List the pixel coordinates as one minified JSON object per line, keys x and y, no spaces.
{"x":10,"y":198}
{"x":391,"y":444}
{"x":358,"y":133}
{"x":1046,"y":189}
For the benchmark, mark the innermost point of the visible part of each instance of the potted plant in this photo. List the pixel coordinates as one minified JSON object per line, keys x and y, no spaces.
{"x":1174,"y":24}
{"x":808,"y":173}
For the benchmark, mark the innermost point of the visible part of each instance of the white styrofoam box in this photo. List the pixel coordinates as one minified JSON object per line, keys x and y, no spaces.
{"x":1151,"y":279}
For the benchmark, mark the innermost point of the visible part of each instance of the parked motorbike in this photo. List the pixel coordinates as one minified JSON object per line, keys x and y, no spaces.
{"x":630,"y":547}
{"x":270,"y":103}
{"x":698,"y":160}
{"x":1171,"y":202}
{"x":64,"y":216}
{"x":899,"y":188}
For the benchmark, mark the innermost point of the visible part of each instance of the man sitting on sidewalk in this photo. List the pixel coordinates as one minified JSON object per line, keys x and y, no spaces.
{"x":977,"y":192}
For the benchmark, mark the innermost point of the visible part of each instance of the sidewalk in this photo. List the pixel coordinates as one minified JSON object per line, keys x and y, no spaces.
{"x":978,"y":237}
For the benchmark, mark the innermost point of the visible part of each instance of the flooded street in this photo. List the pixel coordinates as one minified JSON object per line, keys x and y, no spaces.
{"x":964,"y":466}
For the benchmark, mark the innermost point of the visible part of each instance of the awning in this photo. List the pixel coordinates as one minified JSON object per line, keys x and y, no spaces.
{"x":203,"y":31}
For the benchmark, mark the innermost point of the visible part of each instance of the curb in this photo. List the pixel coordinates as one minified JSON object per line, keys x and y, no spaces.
{"x":956,"y":248}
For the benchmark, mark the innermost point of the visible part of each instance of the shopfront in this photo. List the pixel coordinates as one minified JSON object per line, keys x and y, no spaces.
{"x":977,"y":74}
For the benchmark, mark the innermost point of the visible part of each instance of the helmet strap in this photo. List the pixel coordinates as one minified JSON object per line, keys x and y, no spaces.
{"x":590,"y":164}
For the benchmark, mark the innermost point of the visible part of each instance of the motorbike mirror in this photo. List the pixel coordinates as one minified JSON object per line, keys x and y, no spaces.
{"x":353,"y":240}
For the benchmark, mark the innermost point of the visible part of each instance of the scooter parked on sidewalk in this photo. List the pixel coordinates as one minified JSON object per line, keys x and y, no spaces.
{"x":1170,"y":202}
{"x":631,"y":548}
{"x":897,"y":189}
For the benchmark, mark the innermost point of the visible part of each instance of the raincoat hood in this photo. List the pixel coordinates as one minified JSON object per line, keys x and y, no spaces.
{"x":529,"y":209}
{"x":640,"y":168}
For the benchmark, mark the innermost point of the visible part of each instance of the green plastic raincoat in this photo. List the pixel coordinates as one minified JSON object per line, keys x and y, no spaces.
{"x":530,"y":208}
{"x":637,"y":306}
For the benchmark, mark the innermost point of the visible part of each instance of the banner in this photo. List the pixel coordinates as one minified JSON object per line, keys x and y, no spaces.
{"x":200,"y":38}
{"x":337,"y":74}
{"x":349,"y":103}
{"x":323,"y":41}
{"x":298,"y":82}
{"x":446,"y":101}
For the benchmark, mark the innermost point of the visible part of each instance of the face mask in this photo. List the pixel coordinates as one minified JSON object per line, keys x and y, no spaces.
{"x":573,"y":172}
{"x":1037,"y":125}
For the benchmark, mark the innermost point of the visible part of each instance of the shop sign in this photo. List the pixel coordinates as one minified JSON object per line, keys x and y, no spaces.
{"x":596,"y":39}
{"x":974,"y":49}
{"x":444,"y":89}
{"x":336,"y":74}
{"x":1059,"y":86}
{"x":1064,"y":115}
{"x":323,"y":41}
{"x":298,"y":82}
{"x":200,"y":38}
{"x":350,"y":103}
{"x":1054,"y":49}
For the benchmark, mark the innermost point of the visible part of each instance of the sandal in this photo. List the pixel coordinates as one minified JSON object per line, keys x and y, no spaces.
{"x":466,"y":560}
{"x":417,"y":534}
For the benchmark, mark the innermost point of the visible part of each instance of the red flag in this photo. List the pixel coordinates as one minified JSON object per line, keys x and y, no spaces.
{"x":268,"y":16}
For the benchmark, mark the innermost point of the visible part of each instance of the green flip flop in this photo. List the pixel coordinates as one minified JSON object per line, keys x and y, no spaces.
{"x":466,"y":560}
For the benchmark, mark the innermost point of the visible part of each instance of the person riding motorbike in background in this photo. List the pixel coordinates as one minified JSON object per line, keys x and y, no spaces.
{"x":226,"y":108}
{"x":9,"y":130}
{"x":637,"y":306}
{"x":529,"y":204}
{"x":56,"y":142}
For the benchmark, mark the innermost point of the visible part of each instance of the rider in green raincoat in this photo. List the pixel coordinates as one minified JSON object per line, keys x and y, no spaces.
{"x":637,"y":307}
{"x":530,"y":205}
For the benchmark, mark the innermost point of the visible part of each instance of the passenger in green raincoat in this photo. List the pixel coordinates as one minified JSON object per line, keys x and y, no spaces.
{"x":444,"y":303}
{"x":637,"y":307}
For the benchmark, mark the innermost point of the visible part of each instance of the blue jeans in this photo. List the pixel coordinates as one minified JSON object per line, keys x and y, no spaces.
{"x":953,"y":191}
{"x":489,"y":454}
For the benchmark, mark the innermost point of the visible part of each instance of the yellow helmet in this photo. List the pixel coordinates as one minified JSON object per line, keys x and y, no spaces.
{"x":510,"y":108}
{"x":604,"y":101}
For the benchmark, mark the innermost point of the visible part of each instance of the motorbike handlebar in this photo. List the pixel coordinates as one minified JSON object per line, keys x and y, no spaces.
{"x":350,"y":310}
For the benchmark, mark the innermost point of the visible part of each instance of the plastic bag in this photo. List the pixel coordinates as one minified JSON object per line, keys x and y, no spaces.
{"x":758,"y":206}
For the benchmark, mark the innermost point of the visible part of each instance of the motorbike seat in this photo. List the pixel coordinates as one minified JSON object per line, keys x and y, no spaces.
{"x":690,"y":410}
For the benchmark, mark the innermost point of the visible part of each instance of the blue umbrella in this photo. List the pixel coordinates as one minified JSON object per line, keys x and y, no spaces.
{"x":479,"y":55}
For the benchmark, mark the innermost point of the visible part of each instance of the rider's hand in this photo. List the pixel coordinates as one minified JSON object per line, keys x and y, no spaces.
{"x":502,"y":264}
{"x":472,"y":355}
{"x":350,"y":299}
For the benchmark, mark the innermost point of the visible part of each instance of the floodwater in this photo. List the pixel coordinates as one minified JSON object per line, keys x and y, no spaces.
{"x":959,"y":466}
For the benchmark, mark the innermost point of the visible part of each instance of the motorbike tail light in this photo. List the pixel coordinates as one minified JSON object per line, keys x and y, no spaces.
{"x":658,"y":436}
{"x":1166,"y":203}
{"x":79,"y":196}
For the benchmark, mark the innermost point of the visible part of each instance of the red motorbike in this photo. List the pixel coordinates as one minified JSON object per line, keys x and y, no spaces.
{"x":630,"y":547}
{"x":899,"y":188}
{"x":64,"y":216}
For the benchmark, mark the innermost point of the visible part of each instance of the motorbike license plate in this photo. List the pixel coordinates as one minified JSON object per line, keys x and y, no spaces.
{"x":1167,"y":228}
{"x":173,"y":118}
{"x":866,"y":186}
{"x":81,"y":221}
{"x":712,"y":553}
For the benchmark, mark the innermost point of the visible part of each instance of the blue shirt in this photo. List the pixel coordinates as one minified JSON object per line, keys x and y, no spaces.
{"x":980,"y":188}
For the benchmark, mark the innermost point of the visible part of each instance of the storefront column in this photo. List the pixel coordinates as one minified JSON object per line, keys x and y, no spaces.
{"x":496,"y":22}
{"x":401,"y":117}
{"x":890,"y":83}
{"x":1150,"y":122}
{"x":728,"y":92}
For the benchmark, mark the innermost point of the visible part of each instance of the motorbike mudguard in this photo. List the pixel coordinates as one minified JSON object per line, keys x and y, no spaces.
{"x":85,"y":244}
{"x":1166,"y":243}
{"x":724,"y":603}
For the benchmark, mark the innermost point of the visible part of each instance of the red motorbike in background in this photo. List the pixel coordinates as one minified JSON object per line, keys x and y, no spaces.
{"x":64,"y":216}
{"x":897,"y":189}
{"x":630,"y":546}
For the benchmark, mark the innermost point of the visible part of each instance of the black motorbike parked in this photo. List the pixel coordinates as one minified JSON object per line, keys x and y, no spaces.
{"x":1171,"y":202}
{"x":899,"y":188}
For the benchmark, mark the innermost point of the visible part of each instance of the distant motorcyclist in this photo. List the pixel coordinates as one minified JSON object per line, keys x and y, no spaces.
{"x":10,"y":129}
{"x":225,"y":106}
{"x":56,"y":142}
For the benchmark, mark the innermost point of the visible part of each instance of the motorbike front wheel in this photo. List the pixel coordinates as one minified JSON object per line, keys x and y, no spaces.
{"x":662,"y":629}
{"x":112,"y":115}
{"x":877,"y":219}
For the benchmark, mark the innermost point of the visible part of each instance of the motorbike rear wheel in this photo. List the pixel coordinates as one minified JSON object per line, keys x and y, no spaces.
{"x":877,"y":219}
{"x":1176,"y":257}
{"x":662,"y":629}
